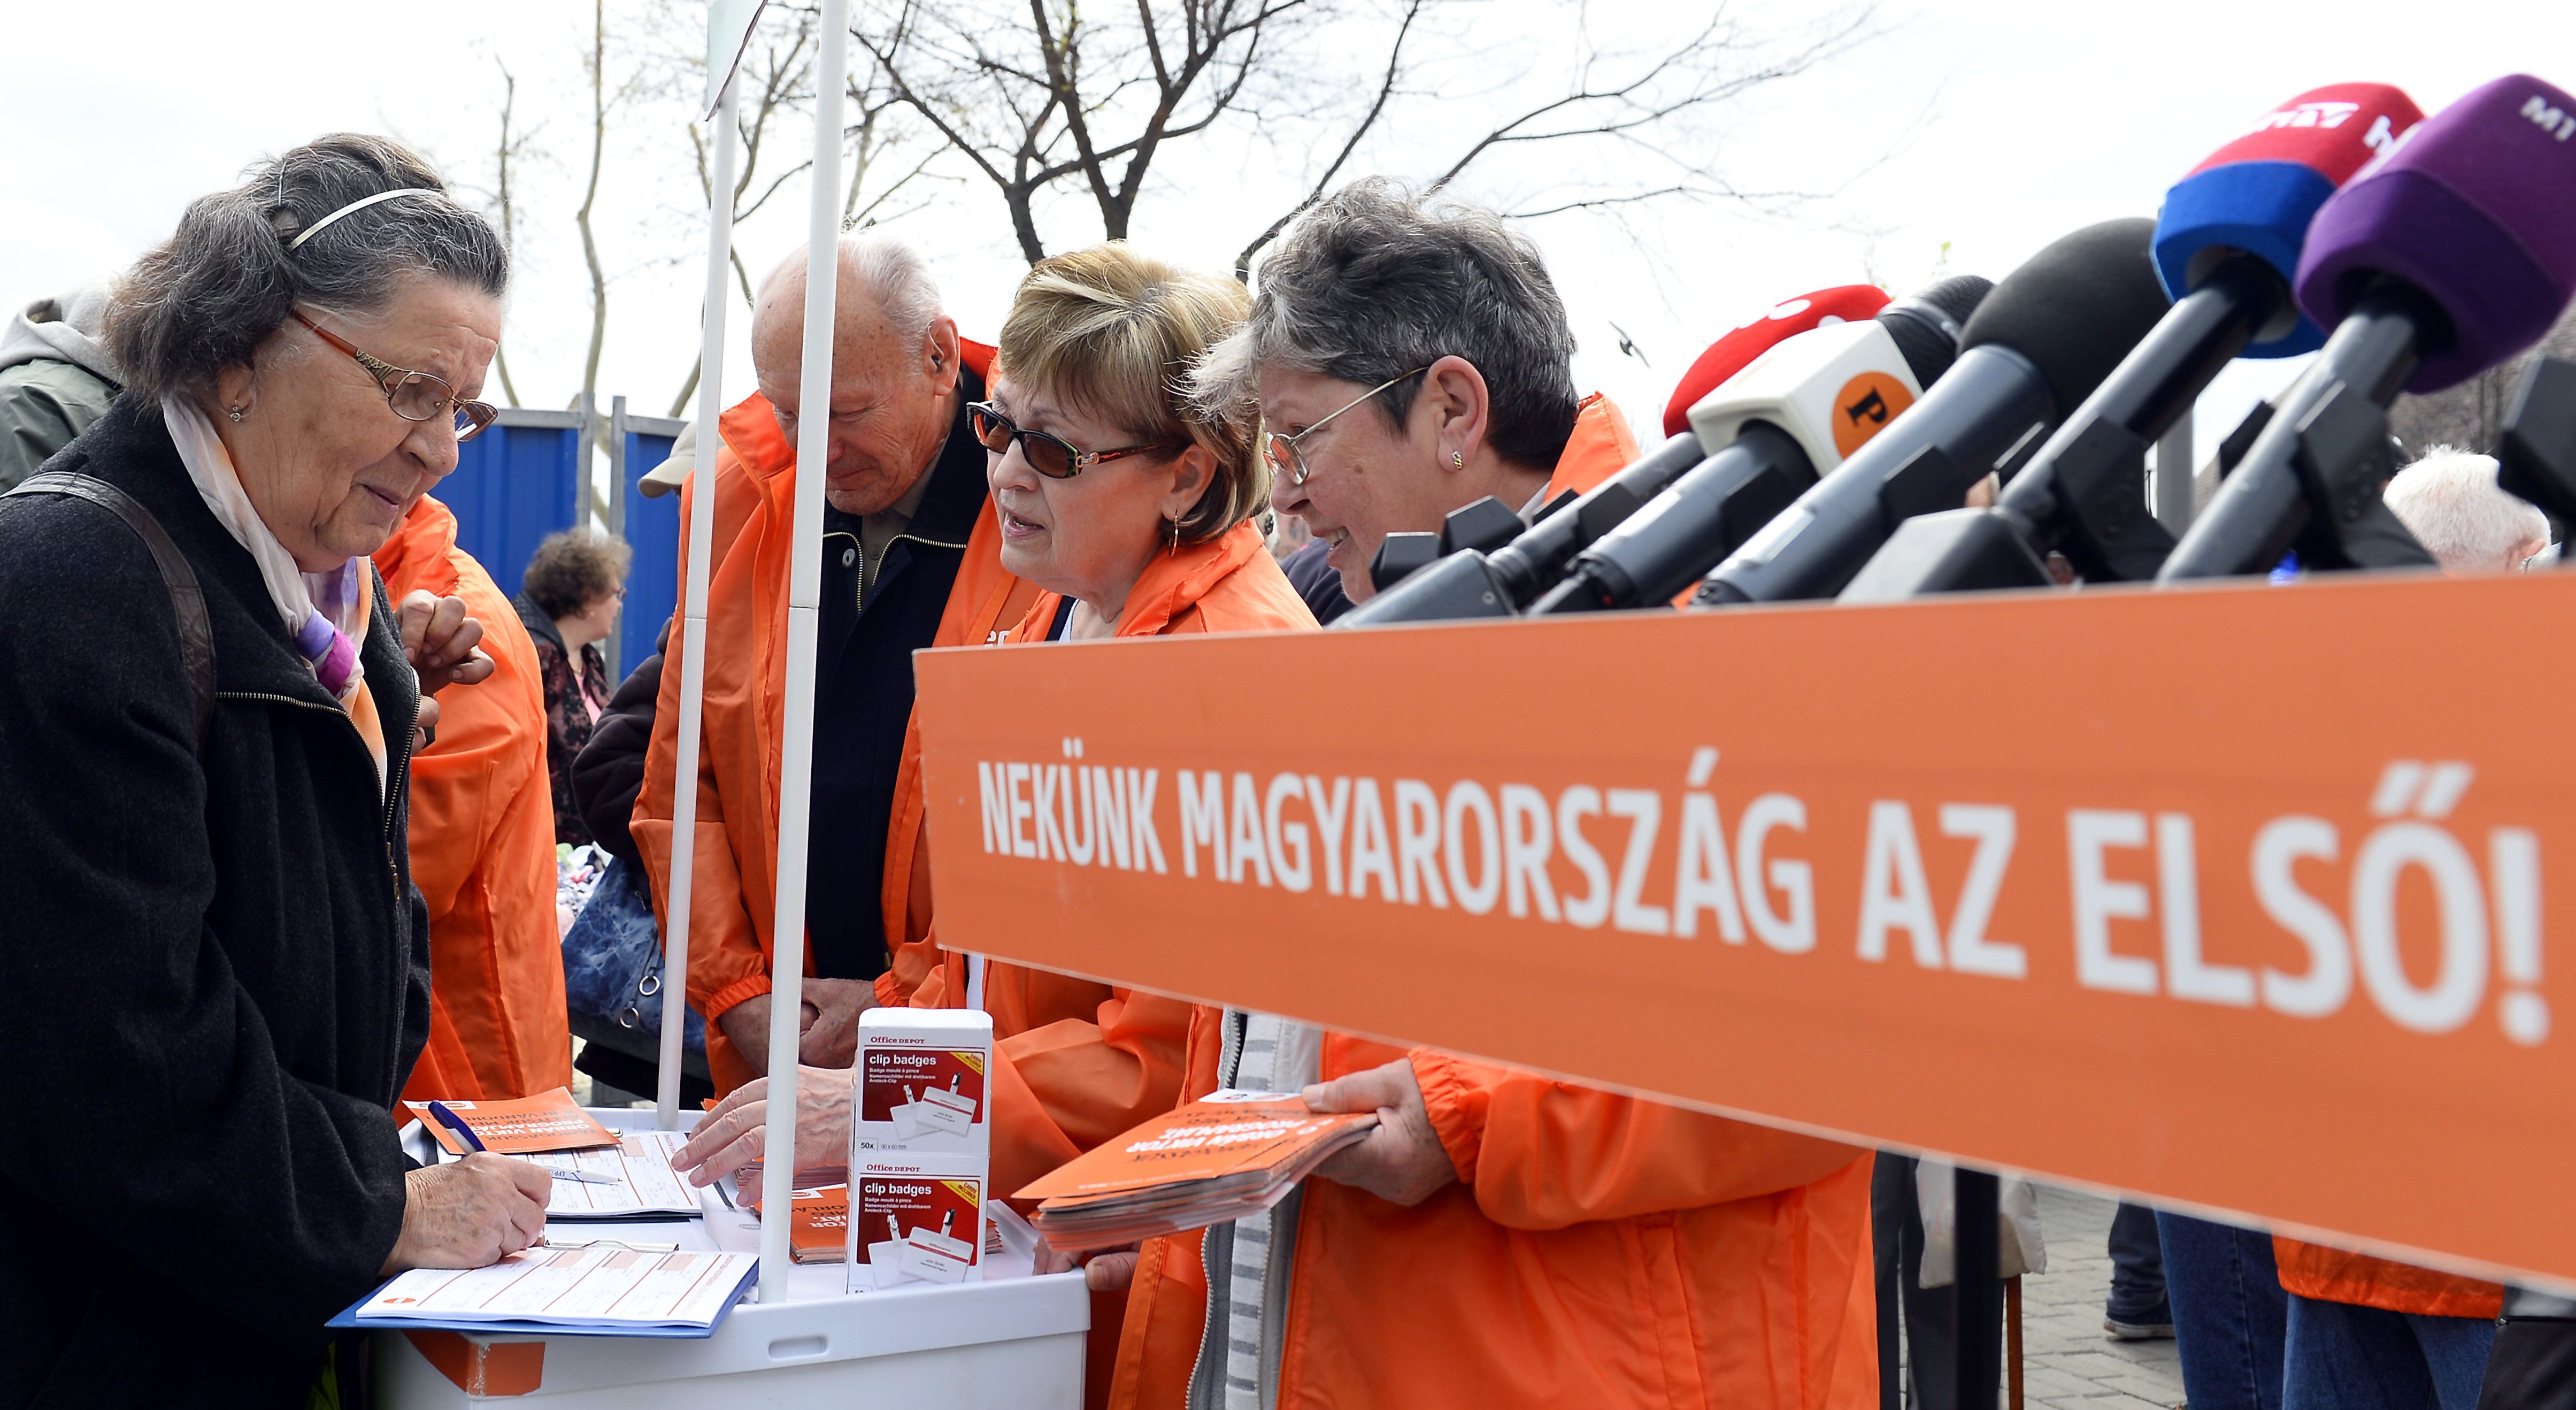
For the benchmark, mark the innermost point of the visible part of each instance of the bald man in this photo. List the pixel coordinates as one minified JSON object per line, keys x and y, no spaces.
{"x":910,"y":559}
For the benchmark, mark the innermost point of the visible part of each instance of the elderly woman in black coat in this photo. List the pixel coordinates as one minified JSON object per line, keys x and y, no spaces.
{"x":215,"y":966}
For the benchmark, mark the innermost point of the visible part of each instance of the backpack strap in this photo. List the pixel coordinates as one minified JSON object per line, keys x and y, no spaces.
{"x":187,"y":598}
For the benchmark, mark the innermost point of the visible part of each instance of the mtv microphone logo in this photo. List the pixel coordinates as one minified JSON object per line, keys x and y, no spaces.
{"x":2319,"y":114}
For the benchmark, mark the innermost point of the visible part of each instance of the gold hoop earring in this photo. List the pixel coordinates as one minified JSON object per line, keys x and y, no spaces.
{"x":1457,"y":460}
{"x":1171,"y":537}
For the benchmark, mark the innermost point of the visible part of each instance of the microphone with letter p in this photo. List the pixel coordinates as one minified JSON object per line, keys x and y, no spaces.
{"x":1794,"y":413}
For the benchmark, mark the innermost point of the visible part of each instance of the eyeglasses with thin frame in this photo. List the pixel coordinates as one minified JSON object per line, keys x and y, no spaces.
{"x":1282,"y":449}
{"x":1051,"y":456}
{"x":414,"y":396}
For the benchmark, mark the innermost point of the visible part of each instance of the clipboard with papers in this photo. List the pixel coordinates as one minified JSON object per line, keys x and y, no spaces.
{"x":602,"y":1288}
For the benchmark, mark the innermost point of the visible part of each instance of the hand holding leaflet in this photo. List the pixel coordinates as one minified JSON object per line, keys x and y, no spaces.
{"x":1225,"y":1156}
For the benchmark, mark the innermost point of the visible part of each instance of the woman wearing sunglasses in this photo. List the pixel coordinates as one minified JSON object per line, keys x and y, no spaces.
{"x":1132,"y":509}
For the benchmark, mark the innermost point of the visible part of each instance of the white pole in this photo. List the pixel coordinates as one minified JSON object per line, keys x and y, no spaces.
{"x":693,"y":657}
{"x":804,"y":600}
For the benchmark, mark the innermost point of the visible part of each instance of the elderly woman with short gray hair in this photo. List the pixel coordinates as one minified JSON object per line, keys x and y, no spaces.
{"x":1410,"y":356}
{"x":215,"y":961}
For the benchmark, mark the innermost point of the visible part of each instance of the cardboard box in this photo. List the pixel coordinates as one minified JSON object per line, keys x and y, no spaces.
{"x":915,"y":1221}
{"x":922,"y":1084}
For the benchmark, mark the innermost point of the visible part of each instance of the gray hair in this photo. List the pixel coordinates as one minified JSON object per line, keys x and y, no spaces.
{"x":210,"y":295}
{"x":2450,"y":502}
{"x":1375,"y":282}
{"x":894,"y":271}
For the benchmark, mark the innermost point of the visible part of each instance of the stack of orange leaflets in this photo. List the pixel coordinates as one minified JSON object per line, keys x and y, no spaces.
{"x":1225,"y":1156}
{"x":820,"y":1233}
{"x":548,"y":1121}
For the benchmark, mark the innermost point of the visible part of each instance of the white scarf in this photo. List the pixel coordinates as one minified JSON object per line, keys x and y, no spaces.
{"x":338,"y":598}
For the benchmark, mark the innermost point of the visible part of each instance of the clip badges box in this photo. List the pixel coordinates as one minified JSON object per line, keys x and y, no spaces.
{"x":911,"y":1224}
{"x":922,"y":1085}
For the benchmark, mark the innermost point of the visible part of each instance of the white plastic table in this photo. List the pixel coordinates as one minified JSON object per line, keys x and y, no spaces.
{"x":1012,"y":1341}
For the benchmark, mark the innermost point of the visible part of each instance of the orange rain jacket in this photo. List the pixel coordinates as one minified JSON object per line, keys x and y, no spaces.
{"x":483,"y":845}
{"x":734,"y":901}
{"x":1595,"y":1250}
{"x":1075,"y":1062}
{"x":2333,"y":1275}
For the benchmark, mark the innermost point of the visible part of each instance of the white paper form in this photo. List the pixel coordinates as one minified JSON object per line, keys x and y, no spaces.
{"x":583,"y":1288}
{"x":640,"y":1164}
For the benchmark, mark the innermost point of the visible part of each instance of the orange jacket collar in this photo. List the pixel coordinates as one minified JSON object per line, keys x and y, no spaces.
{"x":426,"y":533}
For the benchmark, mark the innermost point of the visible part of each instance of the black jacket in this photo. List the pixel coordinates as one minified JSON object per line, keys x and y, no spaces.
{"x":215,"y":968}
{"x":863,"y":699}
{"x":608,"y":773}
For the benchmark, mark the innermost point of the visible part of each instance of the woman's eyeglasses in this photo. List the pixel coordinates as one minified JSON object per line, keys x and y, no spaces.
{"x":414,"y":396}
{"x":1288,"y":460}
{"x":1051,"y":456}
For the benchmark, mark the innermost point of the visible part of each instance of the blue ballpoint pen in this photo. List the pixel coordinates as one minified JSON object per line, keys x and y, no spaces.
{"x":456,"y":1123}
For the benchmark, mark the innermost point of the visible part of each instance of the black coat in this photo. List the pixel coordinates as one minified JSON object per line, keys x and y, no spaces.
{"x":215,"y":969}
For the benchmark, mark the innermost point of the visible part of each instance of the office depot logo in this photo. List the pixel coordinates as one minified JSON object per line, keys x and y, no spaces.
{"x":2395,"y":908}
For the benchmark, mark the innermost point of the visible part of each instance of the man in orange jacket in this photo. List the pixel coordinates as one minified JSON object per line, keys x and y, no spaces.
{"x":910,"y":559}
{"x":1501,"y":1238}
{"x":483,"y":845}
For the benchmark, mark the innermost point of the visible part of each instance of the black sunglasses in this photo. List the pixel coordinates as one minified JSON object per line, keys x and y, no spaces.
{"x":1051,"y":456}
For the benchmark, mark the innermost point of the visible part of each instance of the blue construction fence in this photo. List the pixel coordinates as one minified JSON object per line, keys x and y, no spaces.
{"x":524,"y":478}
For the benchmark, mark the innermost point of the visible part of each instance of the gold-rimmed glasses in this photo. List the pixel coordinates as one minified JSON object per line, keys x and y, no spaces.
{"x":414,"y":396}
{"x":1282,"y":449}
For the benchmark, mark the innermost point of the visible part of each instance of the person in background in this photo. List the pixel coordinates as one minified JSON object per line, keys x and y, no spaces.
{"x":1132,"y":510}
{"x":2231,"y":1316}
{"x":568,"y":601}
{"x":56,"y":377}
{"x":1500,"y":1238}
{"x":216,"y":962}
{"x":910,"y":559}
{"x":2136,"y":1309}
{"x":483,"y":845}
{"x":608,"y":772}
{"x":2450,"y":502}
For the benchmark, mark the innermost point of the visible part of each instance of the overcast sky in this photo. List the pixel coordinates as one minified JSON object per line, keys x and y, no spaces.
{"x":1968,"y":135}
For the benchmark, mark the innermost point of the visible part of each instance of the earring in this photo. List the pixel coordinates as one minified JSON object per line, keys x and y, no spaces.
{"x":1171,"y":537}
{"x":1457,"y":460}
{"x":234,"y":413}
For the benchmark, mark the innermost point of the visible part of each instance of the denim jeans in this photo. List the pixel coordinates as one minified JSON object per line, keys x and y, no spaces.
{"x":2230,"y":1315}
{"x":2344,"y":1357}
{"x":2137,"y":1268}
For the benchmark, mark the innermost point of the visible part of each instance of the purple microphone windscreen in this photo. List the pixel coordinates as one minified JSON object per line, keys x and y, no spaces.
{"x":2477,"y":208}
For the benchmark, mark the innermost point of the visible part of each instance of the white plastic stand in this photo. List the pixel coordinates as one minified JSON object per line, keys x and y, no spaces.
{"x":1012,"y":1342}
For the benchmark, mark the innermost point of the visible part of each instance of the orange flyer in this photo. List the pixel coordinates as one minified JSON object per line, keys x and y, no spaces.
{"x":548,"y":1121}
{"x":1227,"y":1139}
{"x":820,"y":1233}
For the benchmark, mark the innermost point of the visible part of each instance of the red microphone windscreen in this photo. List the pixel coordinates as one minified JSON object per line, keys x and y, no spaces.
{"x":2330,"y":130}
{"x":1845,"y":303}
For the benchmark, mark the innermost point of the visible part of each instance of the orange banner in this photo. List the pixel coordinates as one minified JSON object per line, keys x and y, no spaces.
{"x":2235,"y":897}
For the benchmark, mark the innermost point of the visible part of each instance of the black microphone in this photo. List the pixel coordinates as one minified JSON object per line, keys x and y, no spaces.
{"x":1485,"y":563}
{"x":1799,"y":410}
{"x":2228,"y":242}
{"x":2036,"y":347}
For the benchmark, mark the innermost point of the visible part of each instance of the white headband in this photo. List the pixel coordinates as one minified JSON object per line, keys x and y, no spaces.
{"x":359,"y":204}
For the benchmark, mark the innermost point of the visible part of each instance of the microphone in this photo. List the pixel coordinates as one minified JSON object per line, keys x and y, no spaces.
{"x":2450,"y":253}
{"x":2228,"y":243}
{"x":1844,"y":303}
{"x":2039,"y":344}
{"x":1453,"y":580}
{"x":1798,"y":411}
